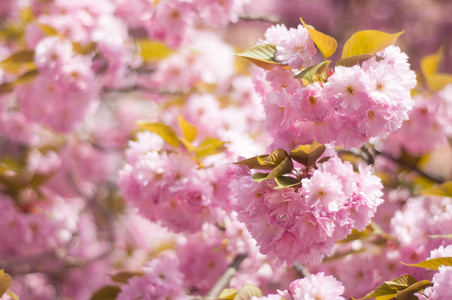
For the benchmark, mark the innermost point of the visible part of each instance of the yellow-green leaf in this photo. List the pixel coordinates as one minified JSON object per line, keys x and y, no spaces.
{"x":6,"y":87}
{"x":47,"y":29}
{"x":286,"y":182}
{"x":164,"y":131}
{"x":109,"y":292}
{"x":443,"y":190}
{"x":273,"y":159}
{"x":152,"y":51}
{"x":5,"y":282}
{"x":310,"y":72}
{"x":402,"y":282}
{"x":259,"y":177}
{"x":253,"y":163}
{"x":307,"y":155}
{"x":124,"y":276}
{"x":261,"y":55}
{"x":189,"y":130}
{"x":27,"y":77}
{"x":384,"y":291}
{"x":210,"y":146}
{"x":433,"y":263}
{"x":284,"y":167}
{"x":247,"y":292}
{"x":18,"y":61}
{"x":407,"y":294}
{"x":438,"y":81}
{"x":368,"y":42}
{"x":430,"y":63}
{"x":353,"y":60}
{"x":326,"y":44}
{"x":228,"y":294}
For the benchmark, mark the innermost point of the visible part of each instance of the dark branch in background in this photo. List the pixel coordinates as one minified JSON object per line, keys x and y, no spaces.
{"x":368,"y":155}
{"x":223,"y":281}
{"x":137,"y":88}
{"x":266,"y":19}
{"x":301,"y":270}
{"x":409,"y":166}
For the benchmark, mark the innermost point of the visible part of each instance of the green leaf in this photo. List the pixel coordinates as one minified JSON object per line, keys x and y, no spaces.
{"x":408,"y":293}
{"x":273,"y":159}
{"x":19,"y":61}
{"x":124,"y":276}
{"x":108,"y":292}
{"x":247,"y":292}
{"x":433,"y":263}
{"x":402,"y":282}
{"x":189,"y":130}
{"x":307,"y":155}
{"x":430,"y":63}
{"x":228,"y":294}
{"x":301,"y":154}
{"x":261,"y":55}
{"x":253,"y":163}
{"x":311,"y":71}
{"x":5,"y":282}
{"x":326,"y":44}
{"x":353,"y":60}
{"x":284,"y":167}
{"x":165,"y":132}
{"x":286,"y":182}
{"x":7,"y":87}
{"x":153,"y":51}
{"x":47,"y":29}
{"x":368,"y":42}
{"x":210,"y":146}
{"x":356,"y":235}
{"x":259,"y":177}
{"x":383,"y":290}
{"x":443,"y":190}
{"x":438,"y":81}
{"x":27,"y":77}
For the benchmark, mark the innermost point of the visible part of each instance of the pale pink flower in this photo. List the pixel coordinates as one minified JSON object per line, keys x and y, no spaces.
{"x":316,"y":286}
{"x":296,"y":48}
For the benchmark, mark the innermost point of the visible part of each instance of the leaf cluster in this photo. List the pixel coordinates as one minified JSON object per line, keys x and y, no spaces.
{"x":280,"y":163}
{"x":360,"y":47}
{"x":207,"y":147}
{"x":400,"y":288}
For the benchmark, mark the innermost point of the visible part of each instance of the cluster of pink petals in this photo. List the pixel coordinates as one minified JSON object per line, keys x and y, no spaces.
{"x":314,"y":286}
{"x":161,"y":280}
{"x":171,"y":188}
{"x":65,"y":90}
{"x":294,"y":46}
{"x":442,"y":280}
{"x":429,"y":122}
{"x":303,"y":225}
{"x":354,"y":105}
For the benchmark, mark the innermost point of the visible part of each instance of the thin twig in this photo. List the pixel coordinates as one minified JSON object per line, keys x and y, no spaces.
{"x":267,"y":19}
{"x":410,"y":167}
{"x":224,"y":280}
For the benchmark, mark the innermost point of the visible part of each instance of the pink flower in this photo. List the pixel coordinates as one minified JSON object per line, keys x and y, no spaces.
{"x":316,"y":286}
{"x":296,"y":48}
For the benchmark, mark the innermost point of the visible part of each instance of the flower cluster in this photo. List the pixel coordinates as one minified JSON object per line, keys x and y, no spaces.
{"x":351,"y":105}
{"x":171,"y":188}
{"x":303,"y":223}
{"x":161,"y":280}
